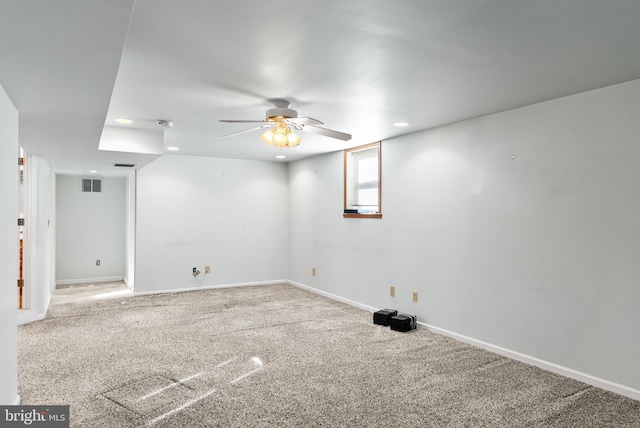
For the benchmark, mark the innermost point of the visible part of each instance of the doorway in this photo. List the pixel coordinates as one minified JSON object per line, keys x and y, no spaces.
{"x":22,"y":303}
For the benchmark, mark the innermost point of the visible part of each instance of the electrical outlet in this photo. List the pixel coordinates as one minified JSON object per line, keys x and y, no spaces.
{"x":415,"y":296}
{"x":392,"y":291}
{"x":313,"y":271}
{"x":207,"y":269}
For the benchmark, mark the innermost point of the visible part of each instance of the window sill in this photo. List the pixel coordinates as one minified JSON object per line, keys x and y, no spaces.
{"x":355,"y":215}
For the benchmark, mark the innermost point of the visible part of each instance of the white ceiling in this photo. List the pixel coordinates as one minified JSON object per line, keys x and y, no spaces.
{"x":72,"y":66}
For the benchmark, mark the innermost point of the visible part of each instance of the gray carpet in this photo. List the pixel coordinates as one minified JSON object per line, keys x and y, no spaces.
{"x":279,"y":356}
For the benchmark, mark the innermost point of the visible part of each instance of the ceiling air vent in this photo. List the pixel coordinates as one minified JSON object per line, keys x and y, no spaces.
{"x":124,"y":165}
{"x":92,"y":185}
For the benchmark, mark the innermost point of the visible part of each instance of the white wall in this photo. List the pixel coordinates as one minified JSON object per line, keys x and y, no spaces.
{"x":90,"y":226}
{"x":8,"y":250}
{"x":39,"y":239}
{"x":520,"y":229}
{"x":130,"y":235}
{"x":196,"y":211}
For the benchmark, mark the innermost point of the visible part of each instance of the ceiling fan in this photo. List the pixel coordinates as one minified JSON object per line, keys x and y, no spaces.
{"x":281,"y":122}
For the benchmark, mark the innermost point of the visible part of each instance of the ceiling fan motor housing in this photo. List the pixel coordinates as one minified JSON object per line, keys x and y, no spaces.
{"x":286,"y":113}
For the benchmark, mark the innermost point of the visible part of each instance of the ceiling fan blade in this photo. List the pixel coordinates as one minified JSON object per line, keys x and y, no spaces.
{"x":305,"y":121}
{"x":241,"y":121}
{"x":326,"y":132}
{"x":247,"y":130}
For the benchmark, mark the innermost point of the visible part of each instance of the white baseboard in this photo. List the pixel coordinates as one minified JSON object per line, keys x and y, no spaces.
{"x":208,"y":287}
{"x":545,"y":365}
{"x":26,"y":316}
{"x":334,"y":297}
{"x":89,"y":280}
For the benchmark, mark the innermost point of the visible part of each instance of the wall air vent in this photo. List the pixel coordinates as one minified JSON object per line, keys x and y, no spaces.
{"x":124,"y":165}
{"x":92,"y":185}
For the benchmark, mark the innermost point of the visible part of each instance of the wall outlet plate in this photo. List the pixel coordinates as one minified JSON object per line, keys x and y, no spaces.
{"x":392,"y":291}
{"x":415,"y":296}
{"x":207,"y":269}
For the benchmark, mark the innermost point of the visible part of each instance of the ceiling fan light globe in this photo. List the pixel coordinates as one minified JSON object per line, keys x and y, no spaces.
{"x":280,"y":134}
{"x":293,"y":139}
{"x":267,"y":137}
{"x":280,"y":140}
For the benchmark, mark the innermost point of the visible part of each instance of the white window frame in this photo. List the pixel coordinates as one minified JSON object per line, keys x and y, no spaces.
{"x":351,"y":207}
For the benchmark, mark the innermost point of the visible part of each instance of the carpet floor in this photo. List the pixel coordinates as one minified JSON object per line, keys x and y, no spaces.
{"x":73,"y":293}
{"x":280,"y":356}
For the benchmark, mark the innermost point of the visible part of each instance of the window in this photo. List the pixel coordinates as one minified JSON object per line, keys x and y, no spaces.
{"x":362,"y":182}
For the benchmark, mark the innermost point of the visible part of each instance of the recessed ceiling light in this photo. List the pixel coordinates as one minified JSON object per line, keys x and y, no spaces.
{"x":124,"y":121}
{"x":280,"y":157}
{"x":173,"y":149}
{"x":93,"y":171}
{"x":401,"y":124}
